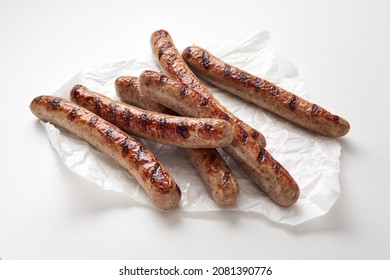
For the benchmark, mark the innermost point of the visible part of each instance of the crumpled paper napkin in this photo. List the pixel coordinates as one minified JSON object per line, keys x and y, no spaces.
{"x":311,"y":159}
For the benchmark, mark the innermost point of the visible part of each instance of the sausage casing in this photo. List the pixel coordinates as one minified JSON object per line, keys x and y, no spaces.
{"x":109,"y":139}
{"x":171,"y":130}
{"x":264,"y":94}
{"x":126,"y":88}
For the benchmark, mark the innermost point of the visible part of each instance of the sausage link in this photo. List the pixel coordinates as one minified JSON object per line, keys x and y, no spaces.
{"x":264,"y":170}
{"x":110,"y":140}
{"x":126,"y":88}
{"x":173,"y":65}
{"x":216,"y":175}
{"x":210,"y":165}
{"x":171,"y":130}
{"x":264,"y":94}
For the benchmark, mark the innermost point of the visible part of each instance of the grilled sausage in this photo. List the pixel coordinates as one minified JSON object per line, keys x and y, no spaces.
{"x":264,"y":94}
{"x":213,"y":170}
{"x":172,"y":64}
{"x":264,"y":170}
{"x":112,"y":141}
{"x":171,"y":130}
{"x":126,"y":88}
{"x":216,"y":175}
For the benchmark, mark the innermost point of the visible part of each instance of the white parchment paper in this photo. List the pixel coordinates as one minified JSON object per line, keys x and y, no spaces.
{"x":311,"y":159}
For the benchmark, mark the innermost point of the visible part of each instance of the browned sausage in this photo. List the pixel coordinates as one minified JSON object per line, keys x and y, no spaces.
{"x":173,"y":65}
{"x":263,"y":169}
{"x":171,"y":130}
{"x":112,"y":141}
{"x":127,"y":90}
{"x":264,"y":94}
{"x":213,"y":170}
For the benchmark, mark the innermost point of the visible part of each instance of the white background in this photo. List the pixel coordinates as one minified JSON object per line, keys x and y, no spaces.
{"x":341,"y":49}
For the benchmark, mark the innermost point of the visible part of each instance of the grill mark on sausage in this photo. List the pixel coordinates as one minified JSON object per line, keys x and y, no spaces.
{"x":140,"y":153}
{"x":37,"y":99}
{"x":131,"y":82}
{"x":208,"y":126}
{"x":127,"y":116}
{"x":163,"y":48}
{"x":125,"y":146}
{"x":160,"y":35}
{"x":97,"y":104}
{"x":55,"y":103}
{"x":227,"y":72}
{"x":187,"y":51}
{"x":77,"y":87}
{"x":262,"y":155}
{"x":257,"y":83}
{"x":143,"y":120}
{"x":163,"y":123}
{"x":163,"y":79}
{"x":73,"y":113}
{"x":293,"y":102}
{"x":183,"y":90}
{"x":110,"y":134}
{"x":226,"y":117}
{"x":277,"y":167}
{"x":156,"y":173}
{"x":244,"y":135}
{"x":204,"y":102}
{"x":205,"y":60}
{"x":315,"y":110}
{"x":170,"y":59}
{"x":92,"y":121}
{"x":255,"y":134}
{"x":331,"y":117}
{"x":112,"y":113}
{"x":182,"y":129}
{"x":76,"y":92}
{"x":181,"y":72}
{"x":274,"y":91}
{"x":243,"y":77}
